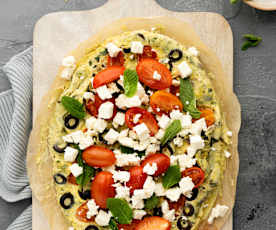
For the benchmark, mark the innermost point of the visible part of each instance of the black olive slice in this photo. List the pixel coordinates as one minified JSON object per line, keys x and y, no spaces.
{"x":188,"y":210}
{"x":126,"y":50}
{"x":60,"y":147}
{"x":66,"y":200}
{"x":183,"y":223}
{"x":91,"y":227}
{"x":59,"y":178}
{"x":141,"y":36}
{"x":194,"y":195}
{"x":71,"y":122}
{"x":170,"y":65}
{"x":85,"y":195}
{"x":175,"y":55}
{"x":157,"y":211}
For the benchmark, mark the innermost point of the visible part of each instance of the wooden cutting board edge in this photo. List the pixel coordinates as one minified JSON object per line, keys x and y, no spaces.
{"x":213,"y":29}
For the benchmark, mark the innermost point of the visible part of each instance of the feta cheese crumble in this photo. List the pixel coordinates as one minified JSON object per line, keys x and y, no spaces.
{"x":156,"y":76}
{"x":184,"y":69}
{"x":173,"y":194}
{"x":111,"y":136}
{"x":76,"y":170}
{"x":139,"y":214}
{"x":218,"y":211}
{"x":106,"y":110}
{"x":150,"y":169}
{"x":127,"y":159}
{"x":164,"y":121}
{"x":167,"y":213}
{"x":227,"y":154}
{"x":121,"y":176}
{"x":136,"y":118}
{"x":193,"y":51}
{"x":103,"y":218}
{"x":119,"y":119}
{"x":137,"y":47}
{"x":196,"y":143}
{"x":112,"y":49}
{"x":127,"y":102}
{"x":92,"y":209}
{"x":142,"y":131}
{"x":186,"y":185}
{"x":89,"y":96}
{"x":104,"y":92}
{"x":70,"y":154}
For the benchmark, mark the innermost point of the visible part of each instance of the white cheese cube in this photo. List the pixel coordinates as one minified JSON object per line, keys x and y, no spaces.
{"x":137,"y":47}
{"x":76,"y":170}
{"x":169,"y":215}
{"x":141,"y":93}
{"x":184,"y":69}
{"x":196,"y":143}
{"x":139,"y":214}
{"x":67,"y":73}
{"x":89,"y":96}
{"x":121,"y":176}
{"x":136,"y":118}
{"x":159,"y":190}
{"x":111,"y":136}
{"x":112,"y":87}
{"x":127,"y":159}
{"x":70,"y":154}
{"x":178,"y":141}
{"x":150,"y":169}
{"x":112,"y":49}
{"x":160,"y":134}
{"x":218,"y":211}
{"x":90,"y":122}
{"x":85,"y":142}
{"x":142,"y":131}
{"x":176,"y":82}
{"x":164,"y":121}
{"x":119,"y":119}
{"x":137,"y":203}
{"x":122,"y":192}
{"x":173,"y":194}
{"x":106,"y":110}
{"x":229,"y":133}
{"x":156,"y":76}
{"x":103,"y":218}
{"x":100,"y":125}
{"x":69,"y":61}
{"x":123,"y":133}
{"x":186,"y":185}
{"x":126,"y":141}
{"x":227,"y":154}
{"x":152,"y":148}
{"x":193,"y":51}
{"x":149,"y":187}
{"x":122,"y":101}
{"x":92,"y":209}
{"x":104,"y":92}
{"x":185,"y":161}
{"x":198,"y":126}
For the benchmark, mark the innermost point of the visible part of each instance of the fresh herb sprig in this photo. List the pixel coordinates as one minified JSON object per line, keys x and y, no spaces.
{"x":73,"y":106}
{"x":251,"y":41}
{"x":171,"y":177}
{"x":130,"y":82}
{"x":171,"y":131}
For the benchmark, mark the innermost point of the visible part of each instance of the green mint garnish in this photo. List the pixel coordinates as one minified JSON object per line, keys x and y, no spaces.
{"x":171,"y":177}
{"x":171,"y":131}
{"x":188,"y":99}
{"x":73,"y":106}
{"x":120,"y":209}
{"x":130,"y":82}
{"x":251,"y":41}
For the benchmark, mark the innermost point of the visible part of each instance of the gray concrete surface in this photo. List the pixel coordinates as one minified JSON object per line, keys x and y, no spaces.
{"x":255,"y":85}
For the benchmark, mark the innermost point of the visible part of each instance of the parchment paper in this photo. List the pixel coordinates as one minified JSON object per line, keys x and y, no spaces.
{"x":39,"y":162}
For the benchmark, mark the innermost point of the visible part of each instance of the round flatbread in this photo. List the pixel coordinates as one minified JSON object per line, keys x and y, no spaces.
{"x":137,"y":135}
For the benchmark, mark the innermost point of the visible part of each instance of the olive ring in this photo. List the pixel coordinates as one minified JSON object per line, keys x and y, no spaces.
{"x":71,"y":122}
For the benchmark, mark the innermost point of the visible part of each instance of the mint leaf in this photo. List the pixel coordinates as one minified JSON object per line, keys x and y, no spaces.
{"x":120,"y":209}
{"x":252,"y":41}
{"x":130,"y":82}
{"x":113,"y":224}
{"x":233,"y":1}
{"x":187,"y":98}
{"x":152,"y":202}
{"x":171,"y":177}
{"x":88,"y":172}
{"x":73,"y":106}
{"x":171,"y":131}
{"x":127,"y":150}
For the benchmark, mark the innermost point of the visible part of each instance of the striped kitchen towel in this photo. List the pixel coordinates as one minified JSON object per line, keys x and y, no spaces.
{"x":15,"y":127}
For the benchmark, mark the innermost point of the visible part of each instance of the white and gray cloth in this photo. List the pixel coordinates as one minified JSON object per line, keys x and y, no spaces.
{"x":15,"y":127}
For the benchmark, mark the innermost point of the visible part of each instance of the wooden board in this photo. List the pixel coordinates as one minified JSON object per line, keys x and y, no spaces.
{"x":213,"y":29}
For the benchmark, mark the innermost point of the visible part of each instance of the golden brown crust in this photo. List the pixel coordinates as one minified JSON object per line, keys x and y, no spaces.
{"x":39,"y":161}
